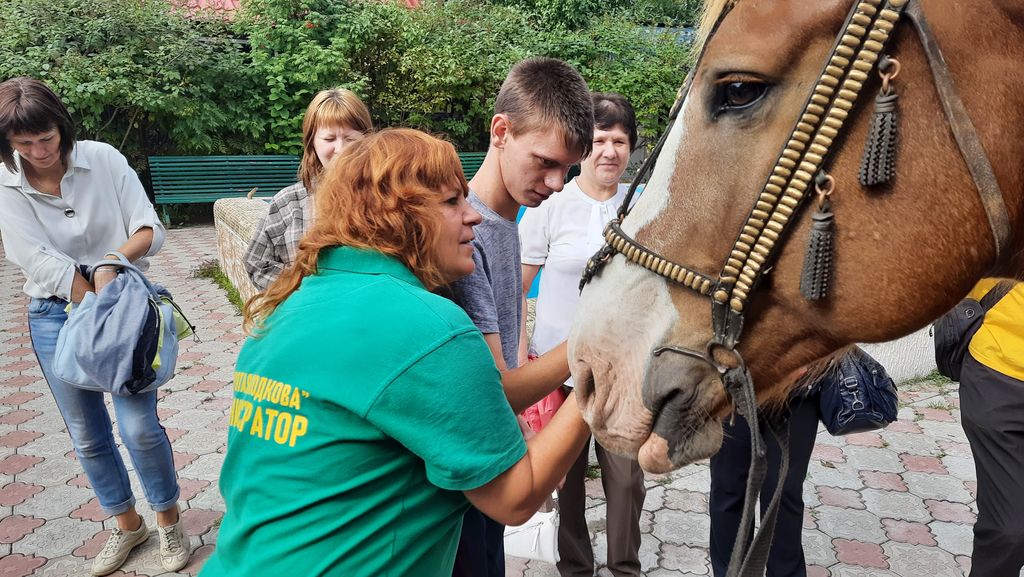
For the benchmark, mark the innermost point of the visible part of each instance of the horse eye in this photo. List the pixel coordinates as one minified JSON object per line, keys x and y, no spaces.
{"x":740,"y":95}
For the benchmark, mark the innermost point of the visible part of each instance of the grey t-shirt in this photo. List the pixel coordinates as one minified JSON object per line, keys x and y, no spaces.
{"x":492,"y":294}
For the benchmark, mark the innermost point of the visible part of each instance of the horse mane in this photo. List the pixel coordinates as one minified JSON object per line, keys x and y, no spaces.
{"x":712,"y":10}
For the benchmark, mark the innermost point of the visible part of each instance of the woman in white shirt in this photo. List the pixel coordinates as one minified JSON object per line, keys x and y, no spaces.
{"x":65,"y":205}
{"x":560,"y":235}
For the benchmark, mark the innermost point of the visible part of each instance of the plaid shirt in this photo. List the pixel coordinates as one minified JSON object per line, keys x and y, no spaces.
{"x":276,"y":241}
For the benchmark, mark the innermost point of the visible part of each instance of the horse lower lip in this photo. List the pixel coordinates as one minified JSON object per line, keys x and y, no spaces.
{"x":653,"y":455}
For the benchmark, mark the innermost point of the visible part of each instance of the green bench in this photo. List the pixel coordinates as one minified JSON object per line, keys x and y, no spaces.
{"x":194,"y":179}
{"x":471,"y":162}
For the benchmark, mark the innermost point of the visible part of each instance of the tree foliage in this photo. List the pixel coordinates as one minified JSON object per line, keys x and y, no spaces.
{"x":133,"y":73}
{"x":152,"y":80}
{"x":576,"y":14}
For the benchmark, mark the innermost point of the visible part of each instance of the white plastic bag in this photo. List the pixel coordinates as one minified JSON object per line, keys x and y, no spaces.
{"x":536,"y":539}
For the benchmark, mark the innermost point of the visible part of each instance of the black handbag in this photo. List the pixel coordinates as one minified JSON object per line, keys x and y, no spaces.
{"x":954,"y":330}
{"x":857,"y":395}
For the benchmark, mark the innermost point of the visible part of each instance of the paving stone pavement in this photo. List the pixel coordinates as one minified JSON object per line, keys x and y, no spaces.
{"x":896,"y":502}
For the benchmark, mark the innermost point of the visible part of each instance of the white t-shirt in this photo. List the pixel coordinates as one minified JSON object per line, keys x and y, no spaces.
{"x":561,"y":235}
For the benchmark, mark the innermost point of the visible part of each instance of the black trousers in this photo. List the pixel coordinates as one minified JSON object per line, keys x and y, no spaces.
{"x":729,"y":468}
{"x":992,"y":411}
{"x":481,"y":547}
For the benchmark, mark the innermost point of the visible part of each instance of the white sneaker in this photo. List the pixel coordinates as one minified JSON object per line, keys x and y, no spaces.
{"x":175,"y":546}
{"x":118,"y":546}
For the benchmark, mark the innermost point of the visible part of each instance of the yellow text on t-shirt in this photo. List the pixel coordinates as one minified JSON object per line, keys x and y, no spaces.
{"x":283,"y":425}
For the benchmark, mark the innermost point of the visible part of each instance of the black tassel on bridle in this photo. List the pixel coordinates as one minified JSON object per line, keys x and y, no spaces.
{"x":879,"y":162}
{"x":817,"y":271}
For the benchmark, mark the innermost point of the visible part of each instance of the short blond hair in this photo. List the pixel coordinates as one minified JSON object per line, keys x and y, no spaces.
{"x":332,"y":107}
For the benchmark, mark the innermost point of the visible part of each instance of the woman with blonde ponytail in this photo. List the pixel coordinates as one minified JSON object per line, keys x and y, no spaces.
{"x":368,"y":413}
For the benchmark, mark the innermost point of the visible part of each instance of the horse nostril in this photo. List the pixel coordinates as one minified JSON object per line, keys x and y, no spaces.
{"x":671,"y":399}
{"x":668,"y":375}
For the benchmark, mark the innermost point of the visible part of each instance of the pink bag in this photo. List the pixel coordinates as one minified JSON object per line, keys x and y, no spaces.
{"x":540,"y":413}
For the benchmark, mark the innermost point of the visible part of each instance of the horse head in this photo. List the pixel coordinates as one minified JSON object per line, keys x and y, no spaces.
{"x":904,"y":252}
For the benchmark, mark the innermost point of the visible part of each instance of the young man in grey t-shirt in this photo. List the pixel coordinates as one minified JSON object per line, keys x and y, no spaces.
{"x":543,"y":124}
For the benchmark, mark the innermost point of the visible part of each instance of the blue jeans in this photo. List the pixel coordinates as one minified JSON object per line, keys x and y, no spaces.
{"x":91,"y":432}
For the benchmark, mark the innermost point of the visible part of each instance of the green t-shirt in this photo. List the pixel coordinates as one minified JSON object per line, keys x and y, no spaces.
{"x":360,"y":415}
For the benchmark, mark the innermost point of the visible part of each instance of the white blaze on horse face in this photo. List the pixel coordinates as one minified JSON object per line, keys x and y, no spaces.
{"x":654,"y":198}
{"x":623,"y":314}
{"x":611,"y":341}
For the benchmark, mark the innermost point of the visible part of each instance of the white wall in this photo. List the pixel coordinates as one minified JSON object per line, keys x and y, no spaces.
{"x":910,"y":357}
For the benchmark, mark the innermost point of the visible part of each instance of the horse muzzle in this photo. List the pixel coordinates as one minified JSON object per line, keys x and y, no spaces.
{"x":683,"y":395}
{"x":666,"y":417}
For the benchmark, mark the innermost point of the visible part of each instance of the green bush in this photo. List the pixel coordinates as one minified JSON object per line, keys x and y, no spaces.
{"x":298,"y":48}
{"x":577,"y":14}
{"x":449,"y":65}
{"x":135,"y":74}
{"x":151,"y":80}
{"x":664,"y":12}
{"x":646,"y":65}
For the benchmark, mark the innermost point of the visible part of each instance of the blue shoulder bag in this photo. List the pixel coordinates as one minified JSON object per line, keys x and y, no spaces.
{"x":124,"y":340}
{"x":857,"y":395}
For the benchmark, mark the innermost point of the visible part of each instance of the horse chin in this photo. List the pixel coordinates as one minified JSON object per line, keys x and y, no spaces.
{"x":683,"y":427}
{"x":619,"y":423}
{"x":658,"y":456}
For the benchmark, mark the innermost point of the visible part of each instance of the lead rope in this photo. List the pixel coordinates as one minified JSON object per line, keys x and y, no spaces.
{"x":760,"y":546}
{"x":740,"y":387}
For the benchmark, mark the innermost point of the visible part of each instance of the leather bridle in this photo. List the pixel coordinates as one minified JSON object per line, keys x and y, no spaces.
{"x":854,"y":55}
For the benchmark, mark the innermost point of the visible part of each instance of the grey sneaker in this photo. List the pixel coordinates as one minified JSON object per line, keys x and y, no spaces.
{"x":118,"y":546}
{"x":175,"y":546}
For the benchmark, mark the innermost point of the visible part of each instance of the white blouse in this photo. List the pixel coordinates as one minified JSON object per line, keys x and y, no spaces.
{"x":102,"y":203}
{"x":560,"y":235}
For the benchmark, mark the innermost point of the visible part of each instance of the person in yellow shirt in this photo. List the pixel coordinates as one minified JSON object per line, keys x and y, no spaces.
{"x":992,"y":412}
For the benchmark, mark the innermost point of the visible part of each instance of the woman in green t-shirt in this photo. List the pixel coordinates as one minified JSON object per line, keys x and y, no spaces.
{"x":367,"y":410}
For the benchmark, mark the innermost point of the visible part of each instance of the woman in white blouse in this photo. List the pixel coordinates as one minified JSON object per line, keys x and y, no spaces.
{"x":560,"y":235}
{"x":65,"y":205}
